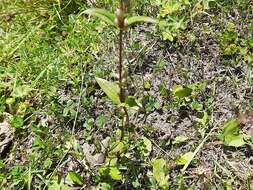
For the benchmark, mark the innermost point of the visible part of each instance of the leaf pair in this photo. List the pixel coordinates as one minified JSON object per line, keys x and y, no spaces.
{"x":110,"y":18}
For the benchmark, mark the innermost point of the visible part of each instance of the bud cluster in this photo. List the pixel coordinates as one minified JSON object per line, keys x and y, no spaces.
{"x":121,"y":19}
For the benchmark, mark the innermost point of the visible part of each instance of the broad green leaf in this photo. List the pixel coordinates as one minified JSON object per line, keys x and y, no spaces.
{"x":75,"y":178}
{"x":231,"y":134}
{"x":103,"y":14}
{"x":137,"y":19}
{"x":115,"y":173}
{"x":148,"y":146}
{"x":181,"y":92}
{"x":235,"y":140}
{"x":100,"y":121}
{"x":231,"y":127}
{"x":147,"y":85}
{"x":195,"y":105}
{"x":21,"y":91}
{"x":17,"y":122}
{"x":117,"y":147}
{"x":111,"y":89}
{"x":183,"y":159}
{"x":159,"y":172}
{"x":131,"y":101}
{"x":180,"y":139}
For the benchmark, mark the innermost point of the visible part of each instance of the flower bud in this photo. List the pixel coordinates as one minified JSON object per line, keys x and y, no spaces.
{"x":125,"y":22}
{"x":120,"y":18}
{"x":119,"y":13}
{"x":126,"y":5}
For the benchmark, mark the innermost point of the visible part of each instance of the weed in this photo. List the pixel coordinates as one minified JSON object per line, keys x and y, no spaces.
{"x":117,"y":91}
{"x":169,"y":121}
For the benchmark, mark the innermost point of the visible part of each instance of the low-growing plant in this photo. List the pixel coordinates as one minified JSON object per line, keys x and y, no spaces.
{"x":235,"y":46}
{"x":175,"y":15}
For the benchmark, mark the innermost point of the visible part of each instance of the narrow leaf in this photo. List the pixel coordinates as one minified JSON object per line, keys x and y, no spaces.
{"x":103,"y":14}
{"x":137,"y":19}
{"x":111,"y":89}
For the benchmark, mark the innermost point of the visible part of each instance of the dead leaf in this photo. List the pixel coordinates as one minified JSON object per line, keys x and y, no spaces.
{"x":6,"y":136}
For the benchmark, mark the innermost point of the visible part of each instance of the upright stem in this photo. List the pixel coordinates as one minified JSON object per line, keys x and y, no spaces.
{"x":121,"y":4}
{"x":121,"y":85}
{"x":121,"y":95}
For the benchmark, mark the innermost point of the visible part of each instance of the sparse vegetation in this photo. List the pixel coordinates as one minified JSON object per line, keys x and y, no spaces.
{"x":102,"y":94}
